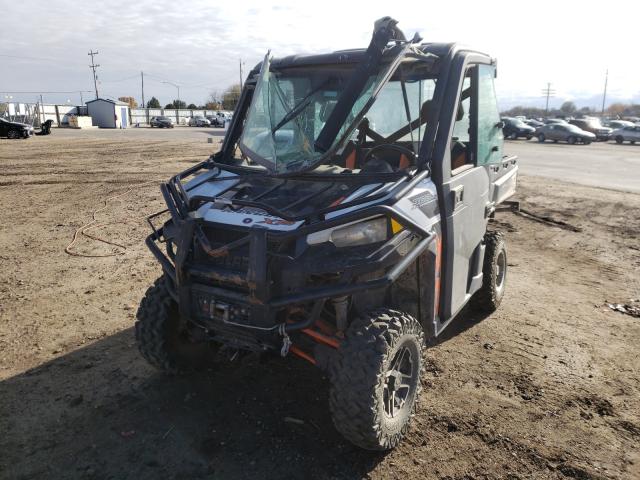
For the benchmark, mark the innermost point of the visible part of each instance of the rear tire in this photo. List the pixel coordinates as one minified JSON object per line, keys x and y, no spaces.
{"x":513,"y":136}
{"x":158,"y":334}
{"x":494,"y":274}
{"x":376,"y":379}
{"x":541,"y":138}
{"x":619,"y":139}
{"x":571,"y":140}
{"x":529,"y":137}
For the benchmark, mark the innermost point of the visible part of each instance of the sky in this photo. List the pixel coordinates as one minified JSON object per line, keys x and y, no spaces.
{"x":200,"y":44}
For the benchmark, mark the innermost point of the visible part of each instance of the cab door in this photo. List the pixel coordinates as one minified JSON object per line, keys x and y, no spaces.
{"x":467,"y":185}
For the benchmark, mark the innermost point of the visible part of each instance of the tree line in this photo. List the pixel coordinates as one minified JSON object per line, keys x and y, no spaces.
{"x":227,"y":100}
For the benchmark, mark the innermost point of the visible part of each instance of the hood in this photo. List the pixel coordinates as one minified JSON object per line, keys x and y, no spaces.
{"x":293,"y":197}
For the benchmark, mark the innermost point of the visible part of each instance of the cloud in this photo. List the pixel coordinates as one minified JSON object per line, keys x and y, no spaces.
{"x":199,"y":44}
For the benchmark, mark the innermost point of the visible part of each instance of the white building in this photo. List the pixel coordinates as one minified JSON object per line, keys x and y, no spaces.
{"x":108,"y":113}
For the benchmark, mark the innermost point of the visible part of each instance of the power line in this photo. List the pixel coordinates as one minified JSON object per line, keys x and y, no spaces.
{"x":93,"y":67}
{"x":119,"y":80}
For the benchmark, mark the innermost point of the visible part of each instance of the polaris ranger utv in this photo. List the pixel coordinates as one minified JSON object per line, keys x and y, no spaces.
{"x":344,"y":221}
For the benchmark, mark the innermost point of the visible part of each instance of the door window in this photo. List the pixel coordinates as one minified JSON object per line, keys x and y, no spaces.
{"x":490,"y":137}
{"x":461,"y":146}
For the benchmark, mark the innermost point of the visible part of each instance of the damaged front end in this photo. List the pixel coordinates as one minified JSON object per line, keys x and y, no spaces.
{"x":250,"y":274}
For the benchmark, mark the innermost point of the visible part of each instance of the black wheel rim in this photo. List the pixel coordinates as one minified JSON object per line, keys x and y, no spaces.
{"x":399,"y":383}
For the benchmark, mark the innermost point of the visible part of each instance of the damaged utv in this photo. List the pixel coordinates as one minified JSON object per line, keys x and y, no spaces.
{"x":344,"y":221}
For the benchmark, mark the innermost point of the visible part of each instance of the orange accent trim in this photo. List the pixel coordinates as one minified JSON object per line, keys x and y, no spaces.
{"x":436,"y":293}
{"x":296,"y":351}
{"x":350,"y":162}
{"x":337,"y":202}
{"x":322,"y":338}
{"x":404,"y":162}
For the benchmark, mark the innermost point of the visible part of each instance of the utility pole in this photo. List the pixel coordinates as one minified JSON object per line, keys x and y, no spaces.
{"x":604,"y":95}
{"x":44,"y":118}
{"x":144,"y":105}
{"x":240,"y":61}
{"x":548,"y":92}
{"x":93,"y":67}
{"x":81,"y":99}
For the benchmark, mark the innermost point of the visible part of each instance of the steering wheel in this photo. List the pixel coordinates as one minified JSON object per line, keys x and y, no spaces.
{"x":397,"y":148}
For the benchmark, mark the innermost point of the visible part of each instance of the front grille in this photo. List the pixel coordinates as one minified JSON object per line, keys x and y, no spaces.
{"x":236,"y":260}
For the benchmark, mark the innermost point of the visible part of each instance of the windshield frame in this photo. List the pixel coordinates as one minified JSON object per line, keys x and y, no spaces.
{"x":388,"y":71}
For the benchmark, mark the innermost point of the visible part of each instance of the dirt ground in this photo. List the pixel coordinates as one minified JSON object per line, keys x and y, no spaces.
{"x":546,"y":388}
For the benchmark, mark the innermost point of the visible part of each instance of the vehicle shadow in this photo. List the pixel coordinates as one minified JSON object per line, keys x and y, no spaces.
{"x":466,"y":319}
{"x":101,"y":412}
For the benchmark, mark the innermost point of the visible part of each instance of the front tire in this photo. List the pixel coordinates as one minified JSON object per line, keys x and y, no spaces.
{"x":619,"y":139}
{"x":158,"y":334}
{"x":541,"y":138}
{"x":571,"y":140}
{"x":12,"y":134}
{"x":376,"y":379}
{"x":494,"y":274}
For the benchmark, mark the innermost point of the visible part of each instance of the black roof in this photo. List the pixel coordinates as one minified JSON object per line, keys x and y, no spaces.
{"x":351,"y":56}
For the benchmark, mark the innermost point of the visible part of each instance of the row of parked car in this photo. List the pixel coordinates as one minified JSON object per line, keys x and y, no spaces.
{"x":218,"y":119}
{"x":575,"y":130}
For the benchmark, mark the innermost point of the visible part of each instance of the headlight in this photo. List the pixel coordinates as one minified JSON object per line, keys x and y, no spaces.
{"x":360,"y":233}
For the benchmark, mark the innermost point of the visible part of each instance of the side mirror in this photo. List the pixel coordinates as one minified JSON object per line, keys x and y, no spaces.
{"x":500,"y":124}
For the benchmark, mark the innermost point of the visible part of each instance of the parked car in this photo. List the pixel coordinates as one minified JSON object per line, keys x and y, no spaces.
{"x":594,"y":126}
{"x":161,"y":122}
{"x":564,"y":132}
{"x":199,"y":121}
{"x":15,"y":129}
{"x":627,"y":134}
{"x":515,"y":128}
{"x":532,"y":122}
{"x":616,"y":124}
{"x":218,"y":119}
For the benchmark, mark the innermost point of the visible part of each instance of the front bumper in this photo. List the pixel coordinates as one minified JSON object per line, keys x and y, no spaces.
{"x":256,"y":304}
